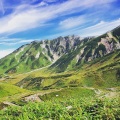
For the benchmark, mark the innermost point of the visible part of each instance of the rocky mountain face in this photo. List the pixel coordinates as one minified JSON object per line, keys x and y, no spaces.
{"x":95,"y":48}
{"x":39,"y":54}
{"x":62,"y":53}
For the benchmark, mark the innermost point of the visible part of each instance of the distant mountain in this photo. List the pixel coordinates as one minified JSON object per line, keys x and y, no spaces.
{"x":89,"y":51}
{"x":39,"y":54}
{"x":62,"y":53}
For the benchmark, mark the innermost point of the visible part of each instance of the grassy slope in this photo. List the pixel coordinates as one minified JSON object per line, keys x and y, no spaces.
{"x":74,"y":107}
{"x":9,"y":92}
{"x":19,"y":62}
{"x":68,"y":93}
{"x":103,"y":72}
{"x":82,"y":102}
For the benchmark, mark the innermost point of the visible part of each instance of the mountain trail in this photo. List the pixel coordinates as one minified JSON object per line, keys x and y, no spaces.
{"x":5,"y":104}
{"x":36,"y":98}
{"x":110,"y":93}
{"x":35,"y":70}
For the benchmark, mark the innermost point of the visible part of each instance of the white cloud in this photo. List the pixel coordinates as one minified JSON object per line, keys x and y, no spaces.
{"x":95,"y":30}
{"x":27,"y":17}
{"x":2,"y":7}
{"x":14,"y":41}
{"x":72,"y":22}
{"x":3,"y":53}
{"x":49,"y":1}
{"x":43,"y":3}
{"x":6,"y":39}
{"x":23,"y":21}
{"x":100,"y":28}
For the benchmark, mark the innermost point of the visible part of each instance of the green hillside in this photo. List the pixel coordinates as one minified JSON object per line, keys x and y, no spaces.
{"x":65,"y":78}
{"x":38,"y":54}
{"x":66,"y":108}
{"x":102,"y":72}
{"x":90,"y":51}
{"x":7,"y":90}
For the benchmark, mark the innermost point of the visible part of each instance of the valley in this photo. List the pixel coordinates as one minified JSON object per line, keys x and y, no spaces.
{"x":64,"y":78}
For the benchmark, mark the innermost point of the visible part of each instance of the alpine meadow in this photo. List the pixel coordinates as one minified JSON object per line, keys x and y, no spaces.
{"x":59,"y":60}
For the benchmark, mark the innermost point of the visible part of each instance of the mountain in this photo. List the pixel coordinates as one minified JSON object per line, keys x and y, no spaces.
{"x":67,"y":71}
{"x":98,"y":47}
{"x":102,"y":72}
{"x":39,"y":54}
{"x":62,"y":53}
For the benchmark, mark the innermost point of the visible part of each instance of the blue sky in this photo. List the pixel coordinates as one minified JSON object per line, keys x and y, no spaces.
{"x":22,"y":21}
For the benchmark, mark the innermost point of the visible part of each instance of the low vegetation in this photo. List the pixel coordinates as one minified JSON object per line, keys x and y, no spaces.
{"x":82,"y":85}
{"x":87,"y":108}
{"x":8,"y":90}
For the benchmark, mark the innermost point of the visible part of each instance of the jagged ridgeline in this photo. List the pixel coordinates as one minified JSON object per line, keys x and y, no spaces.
{"x":63,"y":53}
{"x":39,"y":54}
{"x":96,"y":48}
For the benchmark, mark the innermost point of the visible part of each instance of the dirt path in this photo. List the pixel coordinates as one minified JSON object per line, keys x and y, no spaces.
{"x":29,"y":98}
{"x":5,"y":104}
{"x":36,"y":98}
{"x":33,"y":98}
{"x":32,"y":71}
{"x":36,"y":69}
{"x":109,"y":93}
{"x":9,"y":103}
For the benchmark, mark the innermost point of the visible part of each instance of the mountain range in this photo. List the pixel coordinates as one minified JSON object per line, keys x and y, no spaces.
{"x":62,"y":69}
{"x":59,"y":60}
{"x":61,"y":54}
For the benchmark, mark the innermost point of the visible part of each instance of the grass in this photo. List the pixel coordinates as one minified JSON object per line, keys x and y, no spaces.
{"x":11,"y":93}
{"x":76,"y":92}
{"x":21,"y":63}
{"x":72,"y":103}
{"x":7,"y":90}
{"x":88,"y":108}
{"x":99,"y":73}
{"x":89,"y":76}
{"x":75,"y":100}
